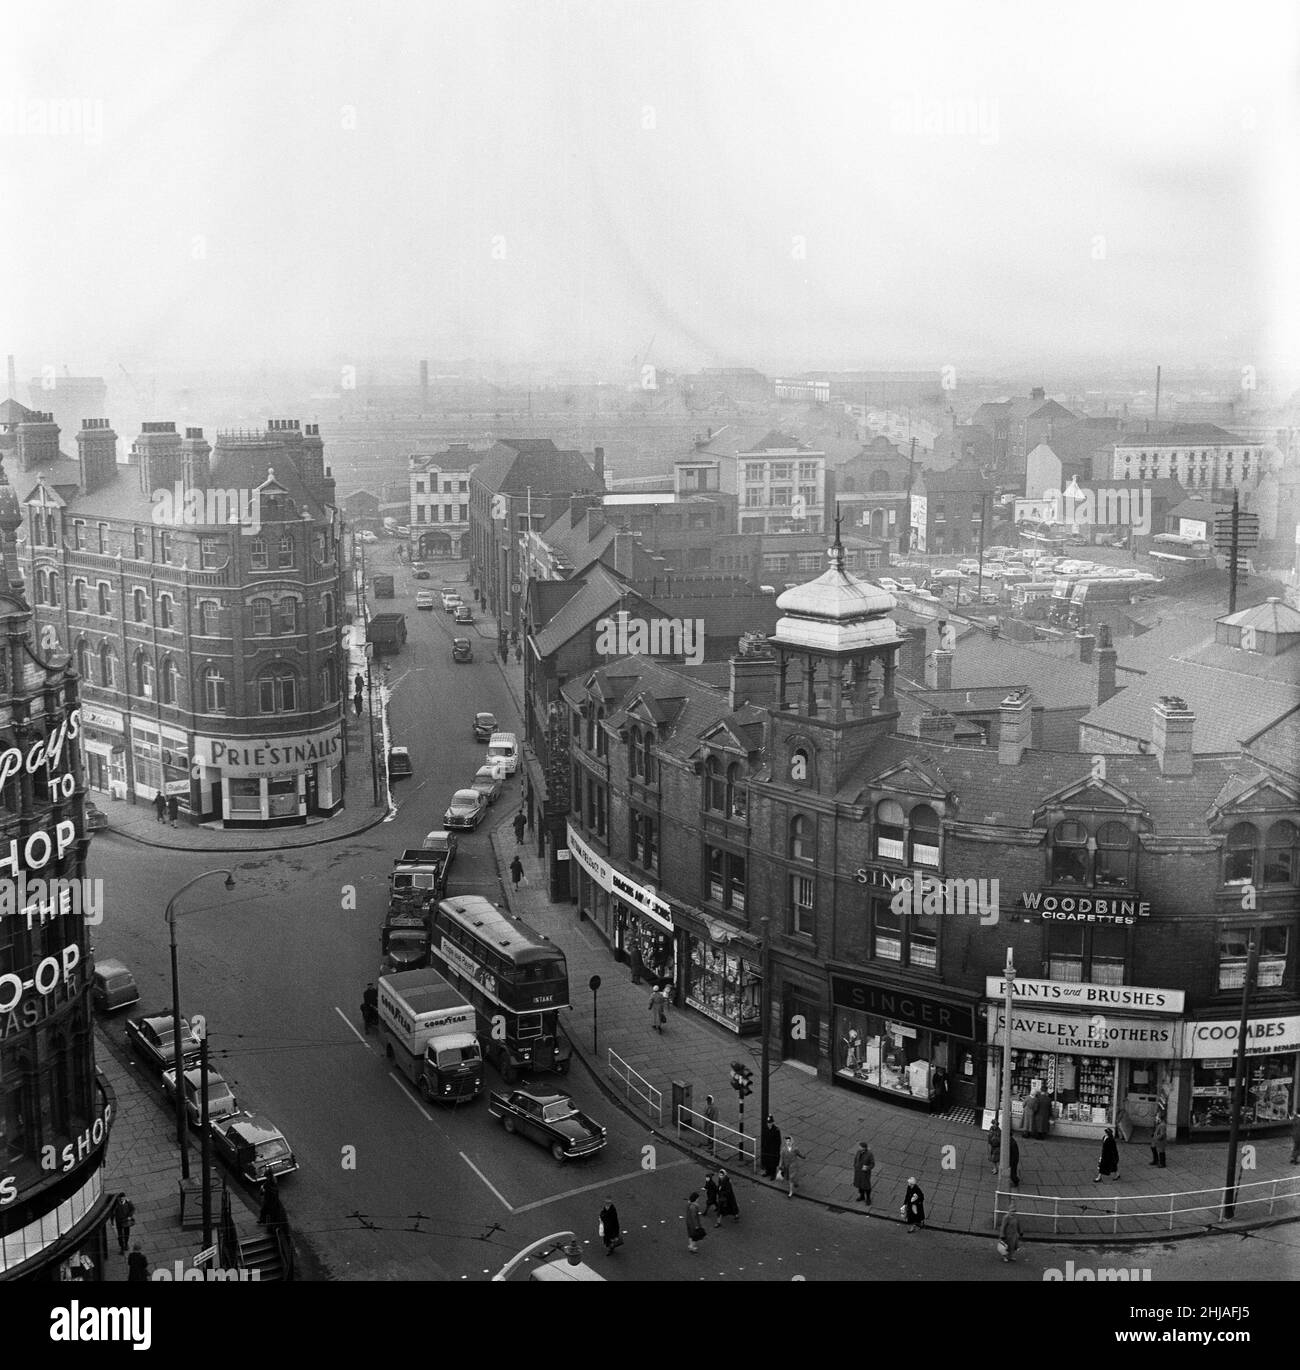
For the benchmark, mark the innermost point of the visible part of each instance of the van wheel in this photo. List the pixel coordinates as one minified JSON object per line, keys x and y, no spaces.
{"x":426,"y":1091}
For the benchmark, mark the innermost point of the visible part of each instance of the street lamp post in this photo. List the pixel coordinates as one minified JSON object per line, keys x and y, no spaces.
{"x":765,"y":1009}
{"x":370,"y":716}
{"x":1004,"y":1154}
{"x":178,"y":1056}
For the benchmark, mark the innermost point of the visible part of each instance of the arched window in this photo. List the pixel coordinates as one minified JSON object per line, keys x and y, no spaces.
{"x":1114,"y":861}
{"x":144,"y":675}
{"x":737,"y":799}
{"x":1280,"y":853}
{"x":1069,"y":854}
{"x":167,"y":680}
{"x":801,"y":840}
{"x":890,"y":830}
{"x":140,"y":605}
{"x":327,"y":608}
{"x":261,"y":617}
{"x":83,"y":659}
{"x":79,"y":600}
{"x":214,"y":690}
{"x":164,"y":611}
{"x":924,"y":823}
{"x":1239,"y":861}
{"x":880,"y":480}
{"x":105,"y":603}
{"x":277,"y":691}
{"x":107,"y":673}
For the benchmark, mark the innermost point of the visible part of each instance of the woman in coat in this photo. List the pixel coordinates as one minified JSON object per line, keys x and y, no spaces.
{"x":727,"y":1205}
{"x":914,"y":1205}
{"x":711,"y":1194}
{"x":995,"y":1145}
{"x":790,"y":1169}
{"x":694,"y":1223}
{"x":864,"y":1162}
{"x":1108,"y":1161}
{"x":1009,"y":1232}
{"x":770,"y":1151}
{"x":1159,"y":1135}
{"x":610,"y":1231}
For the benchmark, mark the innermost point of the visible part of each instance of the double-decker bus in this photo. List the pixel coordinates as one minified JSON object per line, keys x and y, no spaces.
{"x":516,"y":978}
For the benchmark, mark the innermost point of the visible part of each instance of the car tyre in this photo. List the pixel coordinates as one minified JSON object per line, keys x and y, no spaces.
{"x":508,"y":1123}
{"x":557,"y":1150}
{"x":562,"y":1067}
{"x":426,"y":1091}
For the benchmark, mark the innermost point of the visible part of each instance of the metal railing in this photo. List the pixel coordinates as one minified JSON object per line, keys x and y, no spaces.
{"x":726,"y":1143}
{"x":1139,"y":1213}
{"x":637,"y":1086}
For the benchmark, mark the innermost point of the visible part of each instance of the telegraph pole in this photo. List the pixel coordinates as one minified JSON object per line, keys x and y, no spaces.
{"x":765,"y":1009}
{"x":1238,"y":1085}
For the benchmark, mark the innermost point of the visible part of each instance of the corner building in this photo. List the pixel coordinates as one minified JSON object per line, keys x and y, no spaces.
{"x":883,"y":876}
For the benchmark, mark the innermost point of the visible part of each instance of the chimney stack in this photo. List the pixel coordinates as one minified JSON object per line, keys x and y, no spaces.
{"x":598,"y":465}
{"x":940,"y":673}
{"x":1085,"y":642}
{"x":196,"y":454}
{"x":1105,"y":661}
{"x":913,"y":655}
{"x":1171,"y":735}
{"x":96,"y":454}
{"x":159,"y":451}
{"x":1015,"y":724}
{"x":753,"y":681}
{"x":38,"y":441}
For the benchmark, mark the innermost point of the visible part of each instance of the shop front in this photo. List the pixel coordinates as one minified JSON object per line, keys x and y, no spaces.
{"x":724,"y":974}
{"x":269,"y":781}
{"x":1086,"y":1062}
{"x":632,"y":918}
{"x":103,"y":733}
{"x":915,"y":1047}
{"x":160,"y":762}
{"x":1272,"y":1051}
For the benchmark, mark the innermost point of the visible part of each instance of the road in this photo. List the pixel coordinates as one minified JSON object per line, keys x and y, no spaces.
{"x":392,"y":1188}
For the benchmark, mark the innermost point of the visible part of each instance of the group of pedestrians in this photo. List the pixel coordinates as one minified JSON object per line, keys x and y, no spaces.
{"x":719,"y":1199}
{"x":166,"y":806}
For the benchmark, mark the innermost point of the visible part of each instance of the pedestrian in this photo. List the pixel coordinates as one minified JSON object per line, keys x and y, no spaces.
{"x":1159,"y":1135}
{"x":358,"y":686}
{"x":610,"y":1231}
{"x":638,"y":965}
{"x":995,"y":1145}
{"x":270,"y":1211}
{"x":1295,"y":1137}
{"x":123,"y":1220}
{"x":356,"y":704}
{"x":160,"y":806}
{"x":519,"y":655}
{"x":710,"y":1191}
{"x":727,"y":1205}
{"x":1009,"y":1233}
{"x":771,"y":1148}
{"x":864,"y":1162}
{"x":658,"y":1010}
{"x":914,"y":1205}
{"x":694,"y":1222}
{"x":1042,"y":1115}
{"x":516,"y":871}
{"x":710,"y":1121}
{"x":1015,"y":1165}
{"x":173,"y":808}
{"x":790,"y":1168}
{"x":137,"y":1266}
{"x":1108,"y":1161}
{"x":520,"y":824}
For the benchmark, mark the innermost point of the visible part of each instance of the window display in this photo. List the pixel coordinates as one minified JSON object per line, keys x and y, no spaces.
{"x":880,"y":1052}
{"x":1267,"y":1101}
{"x":1082,"y":1088}
{"x":723,"y":984}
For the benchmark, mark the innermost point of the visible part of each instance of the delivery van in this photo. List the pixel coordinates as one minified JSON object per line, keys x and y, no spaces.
{"x":503,"y":753}
{"x":113,"y":986}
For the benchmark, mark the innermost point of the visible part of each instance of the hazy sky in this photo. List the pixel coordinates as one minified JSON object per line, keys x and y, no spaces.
{"x":776,"y":183}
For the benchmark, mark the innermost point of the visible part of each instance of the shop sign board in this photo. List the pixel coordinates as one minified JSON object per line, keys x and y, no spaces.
{"x":1084,"y":908}
{"x":1264,"y":1036}
{"x":903,"y":1005}
{"x":253,"y":757}
{"x":1080,"y":1034}
{"x":103,"y":718}
{"x":1072,"y":994}
{"x":641,"y":897}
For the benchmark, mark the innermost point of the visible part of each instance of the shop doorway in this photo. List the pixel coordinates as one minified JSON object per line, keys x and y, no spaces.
{"x":96,"y":771}
{"x":800,"y":1028}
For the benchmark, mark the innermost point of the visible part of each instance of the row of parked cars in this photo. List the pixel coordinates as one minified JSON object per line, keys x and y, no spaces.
{"x":469,"y":806}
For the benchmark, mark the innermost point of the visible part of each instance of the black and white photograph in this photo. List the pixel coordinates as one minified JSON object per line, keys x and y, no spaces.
{"x":650,"y":642}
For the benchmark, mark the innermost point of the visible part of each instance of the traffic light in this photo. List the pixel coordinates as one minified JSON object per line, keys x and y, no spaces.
{"x":742,"y":1079}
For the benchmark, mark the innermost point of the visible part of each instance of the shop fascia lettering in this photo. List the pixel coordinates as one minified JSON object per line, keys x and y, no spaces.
{"x":1076,"y":994}
{"x":71,"y":1154}
{"x":1085,"y":908}
{"x":1079,"y":1036}
{"x":46,"y":753}
{"x":644,"y":898}
{"x":1263,"y":1036}
{"x":267,"y":755}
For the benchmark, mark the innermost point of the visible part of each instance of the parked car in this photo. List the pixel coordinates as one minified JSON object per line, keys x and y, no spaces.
{"x":366,"y":535}
{"x":424,"y":599}
{"x":113,"y":986}
{"x":221,"y":1098}
{"x":96,"y":818}
{"x":466,"y":810}
{"x":421,"y":573}
{"x":886,"y":583}
{"x":993,"y":571}
{"x":488,"y":783}
{"x":440,"y":840}
{"x":401,"y":531}
{"x":968,"y":566}
{"x":450,"y":599}
{"x":484,"y":726}
{"x":503,"y":752}
{"x":551,"y":1120}
{"x":152,"y":1040}
{"x":399,"y":763}
{"x":463,"y":614}
{"x":462,"y":650}
{"x":907,"y":585}
{"x":252,"y":1146}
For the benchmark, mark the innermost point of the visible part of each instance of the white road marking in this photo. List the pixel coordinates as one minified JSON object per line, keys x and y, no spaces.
{"x":406,"y":1093}
{"x":505,"y":1202}
{"x":351,"y":1029}
{"x":587,"y":1188}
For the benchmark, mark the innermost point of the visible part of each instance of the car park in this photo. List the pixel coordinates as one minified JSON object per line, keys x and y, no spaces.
{"x":112,"y":986}
{"x":463,"y":614}
{"x":450,"y":599}
{"x":221,"y":1098}
{"x":424,"y":599}
{"x":466,"y":810}
{"x":551,"y":1120}
{"x":503,"y":752}
{"x":488,"y":783}
{"x":152,"y":1040}
{"x":252,"y":1146}
{"x":399,"y":763}
{"x":462,"y":650}
{"x":484,"y":726}
{"x":96,"y":818}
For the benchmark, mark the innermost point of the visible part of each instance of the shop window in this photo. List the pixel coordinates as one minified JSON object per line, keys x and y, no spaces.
{"x":282,"y":798}
{"x":168,"y":680}
{"x":245,"y":797}
{"x":214,"y":690}
{"x":722,"y":983}
{"x":1069,"y":854}
{"x":285,"y":552}
{"x":803,"y":846}
{"x":261,"y":617}
{"x":890,"y":831}
{"x":140,"y":605}
{"x":924,"y":825}
{"x":277,"y":691}
{"x":138,"y":543}
{"x":286,"y":614}
{"x":208,"y":619}
{"x":79,"y":593}
{"x":166,"y":612}
{"x":257,"y":557}
{"x":1274,"y":943}
{"x":107,"y":667}
{"x":105,"y":602}
{"x":1280,"y":852}
{"x":1239,"y":860}
{"x":802,"y":892}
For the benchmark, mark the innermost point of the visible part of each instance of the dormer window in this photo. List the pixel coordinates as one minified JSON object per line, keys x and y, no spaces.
{"x":737,"y":798}
{"x":891,"y":831}
{"x":715,"y":786}
{"x":1101,"y":860}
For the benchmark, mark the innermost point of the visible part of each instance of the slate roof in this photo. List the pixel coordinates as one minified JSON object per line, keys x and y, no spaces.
{"x":1052,"y":671}
{"x":602,"y":590}
{"x":1279,"y":743}
{"x":1188,"y":639}
{"x":13,"y":412}
{"x":515,"y":464}
{"x":725,"y":616}
{"x":1183,"y":435}
{"x":774,"y":441}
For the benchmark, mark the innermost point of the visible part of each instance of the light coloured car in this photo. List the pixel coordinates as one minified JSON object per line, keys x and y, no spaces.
{"x":968,"y":566}
{"x":366,"y":535}
{"x":450,"y":601}
{"x":221,"y":1098}
{"x":253,"y":1147}
{"x":993,"y":571}
{"x":907,"y":585}
{"x":886,"y":583}
{"x":488,"y":783}
{"x":424,"y":599}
